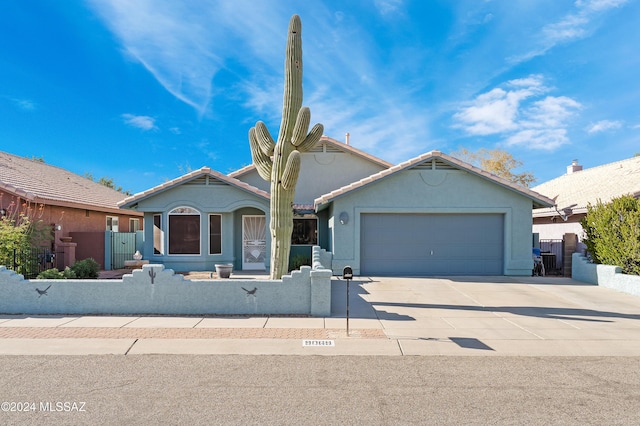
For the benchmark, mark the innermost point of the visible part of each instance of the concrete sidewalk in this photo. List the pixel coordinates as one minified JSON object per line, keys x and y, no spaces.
{"x":469,"y":316}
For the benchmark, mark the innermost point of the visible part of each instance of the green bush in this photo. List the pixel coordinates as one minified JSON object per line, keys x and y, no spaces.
{"x":82,"y":269}
{"x":14,"y":235}
{"x":50,"y":274}
{"x":54,"y":274}
{"x":68,"y":273}
{"x":86,"y":269}
{"x":613,"y":233}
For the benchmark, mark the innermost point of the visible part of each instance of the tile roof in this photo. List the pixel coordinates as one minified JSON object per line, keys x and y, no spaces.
{"x":204,"y":171}
{"x":538,"y":199}
{"x":43,"y":183}
{"x":331,"y":142}
{"x":576,"y":190}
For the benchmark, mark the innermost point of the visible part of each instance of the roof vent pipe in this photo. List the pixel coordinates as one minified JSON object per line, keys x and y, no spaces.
{"x":346,"y":138}
{"x":574,"y":167}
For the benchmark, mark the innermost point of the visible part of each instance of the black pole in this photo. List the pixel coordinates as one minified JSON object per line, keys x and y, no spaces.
{"x":347,"y":274}
{"x":348,"y":307}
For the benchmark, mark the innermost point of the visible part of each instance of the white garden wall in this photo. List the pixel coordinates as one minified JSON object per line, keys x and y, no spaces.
{"x":604,"y":275}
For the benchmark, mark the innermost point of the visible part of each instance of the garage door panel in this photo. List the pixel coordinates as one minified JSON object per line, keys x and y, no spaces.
{"x":431,"y":244}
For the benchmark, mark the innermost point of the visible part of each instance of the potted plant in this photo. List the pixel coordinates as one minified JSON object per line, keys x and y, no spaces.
{"x":224,"y":270}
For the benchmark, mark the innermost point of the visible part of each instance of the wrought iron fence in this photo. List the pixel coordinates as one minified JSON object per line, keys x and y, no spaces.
{"x":552,"y":251}
{"x":33,"y":261}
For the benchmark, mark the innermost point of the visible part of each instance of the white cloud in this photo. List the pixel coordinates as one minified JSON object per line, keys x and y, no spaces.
{"x":604,"y":125}
{"x":23,"y":104}
{"x":551,"y":112}
{"x":386,"y":7}
{"x":185,"y":44}
{"x":490,"y":113}
{"x":518,"y":115}
{"x":572,"y":26}
{"x":170,"y":40}
{"x":143,"y":122}
{"x":598,"y":5}
{"x":545,"y":139}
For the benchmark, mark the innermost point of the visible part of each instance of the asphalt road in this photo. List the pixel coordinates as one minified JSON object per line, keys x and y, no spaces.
{"x":190,"y":389}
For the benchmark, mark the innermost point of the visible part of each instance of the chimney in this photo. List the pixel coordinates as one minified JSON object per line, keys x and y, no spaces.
{"x":346,"y":138}
{"x":574,"y":167}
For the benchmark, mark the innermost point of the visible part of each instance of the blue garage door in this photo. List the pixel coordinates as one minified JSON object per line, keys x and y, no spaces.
{"x":431,"y":244}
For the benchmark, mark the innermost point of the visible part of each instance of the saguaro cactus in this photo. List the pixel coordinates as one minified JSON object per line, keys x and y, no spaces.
{"x":280,"y":162}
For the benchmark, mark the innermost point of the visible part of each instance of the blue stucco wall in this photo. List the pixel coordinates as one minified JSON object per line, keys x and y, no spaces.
{"x":609,"y":276}
{"x":321,"y":173}
{"x":221,"y":199}
{"x":157,"y":290}
{"x":433,"y":191}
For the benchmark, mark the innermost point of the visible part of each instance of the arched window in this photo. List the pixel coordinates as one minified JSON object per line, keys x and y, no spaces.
{"x":184,"y":231}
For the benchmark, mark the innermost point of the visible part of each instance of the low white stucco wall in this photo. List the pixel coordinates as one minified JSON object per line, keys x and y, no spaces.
{"x":156,"y":290}
{"x":604,"y":275}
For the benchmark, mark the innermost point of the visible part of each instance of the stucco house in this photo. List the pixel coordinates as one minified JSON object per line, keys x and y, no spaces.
{"x":76,"y":208}
{"x":432,"y":215}
{"x":575,"y":190}
{"x":225,"y":217}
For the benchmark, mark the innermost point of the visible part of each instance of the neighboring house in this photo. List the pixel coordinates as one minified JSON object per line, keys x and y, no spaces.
{"x":73,"y":206}
{"x":432,"y":215}
{"x":578,"y":188}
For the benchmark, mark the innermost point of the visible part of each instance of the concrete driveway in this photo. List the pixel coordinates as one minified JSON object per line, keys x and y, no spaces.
{"x":523,"y":316}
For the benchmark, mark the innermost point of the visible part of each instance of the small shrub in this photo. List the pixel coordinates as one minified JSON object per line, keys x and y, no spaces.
{"x":54,"y":274}
{"x":68,"y":273}
{"x":86,"y":269}
{"x":613,"y":233}
{"x":50,"y":274}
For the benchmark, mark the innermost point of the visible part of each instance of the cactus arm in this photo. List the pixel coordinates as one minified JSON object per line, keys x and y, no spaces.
{"x":301,"y":126}
{"x":291,"y":171}
{"x":265,"y":141}
{"x":312,"y":138}
{"x":260,"y":159}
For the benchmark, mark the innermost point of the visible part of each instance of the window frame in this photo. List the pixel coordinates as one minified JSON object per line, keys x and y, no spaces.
{"x":158,"y":233}
{"x":115,"y":223}
{"x":134,"y":224}
{"x":184,"y":211}
{"x":219,"y":235}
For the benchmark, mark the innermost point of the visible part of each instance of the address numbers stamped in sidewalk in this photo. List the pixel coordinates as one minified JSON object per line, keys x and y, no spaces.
{"x":315,"y":342}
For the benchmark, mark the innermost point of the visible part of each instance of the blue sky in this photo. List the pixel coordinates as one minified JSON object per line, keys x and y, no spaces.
{"x":143,"y":91}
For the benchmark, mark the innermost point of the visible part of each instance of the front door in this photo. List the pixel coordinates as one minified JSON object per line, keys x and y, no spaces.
{"x":254,"y":243}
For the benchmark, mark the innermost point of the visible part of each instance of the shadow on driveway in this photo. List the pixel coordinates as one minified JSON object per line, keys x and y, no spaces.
{"x":530,"y":311}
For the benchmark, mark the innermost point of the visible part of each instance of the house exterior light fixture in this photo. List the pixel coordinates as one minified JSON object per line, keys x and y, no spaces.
{"x":344,"y":218}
